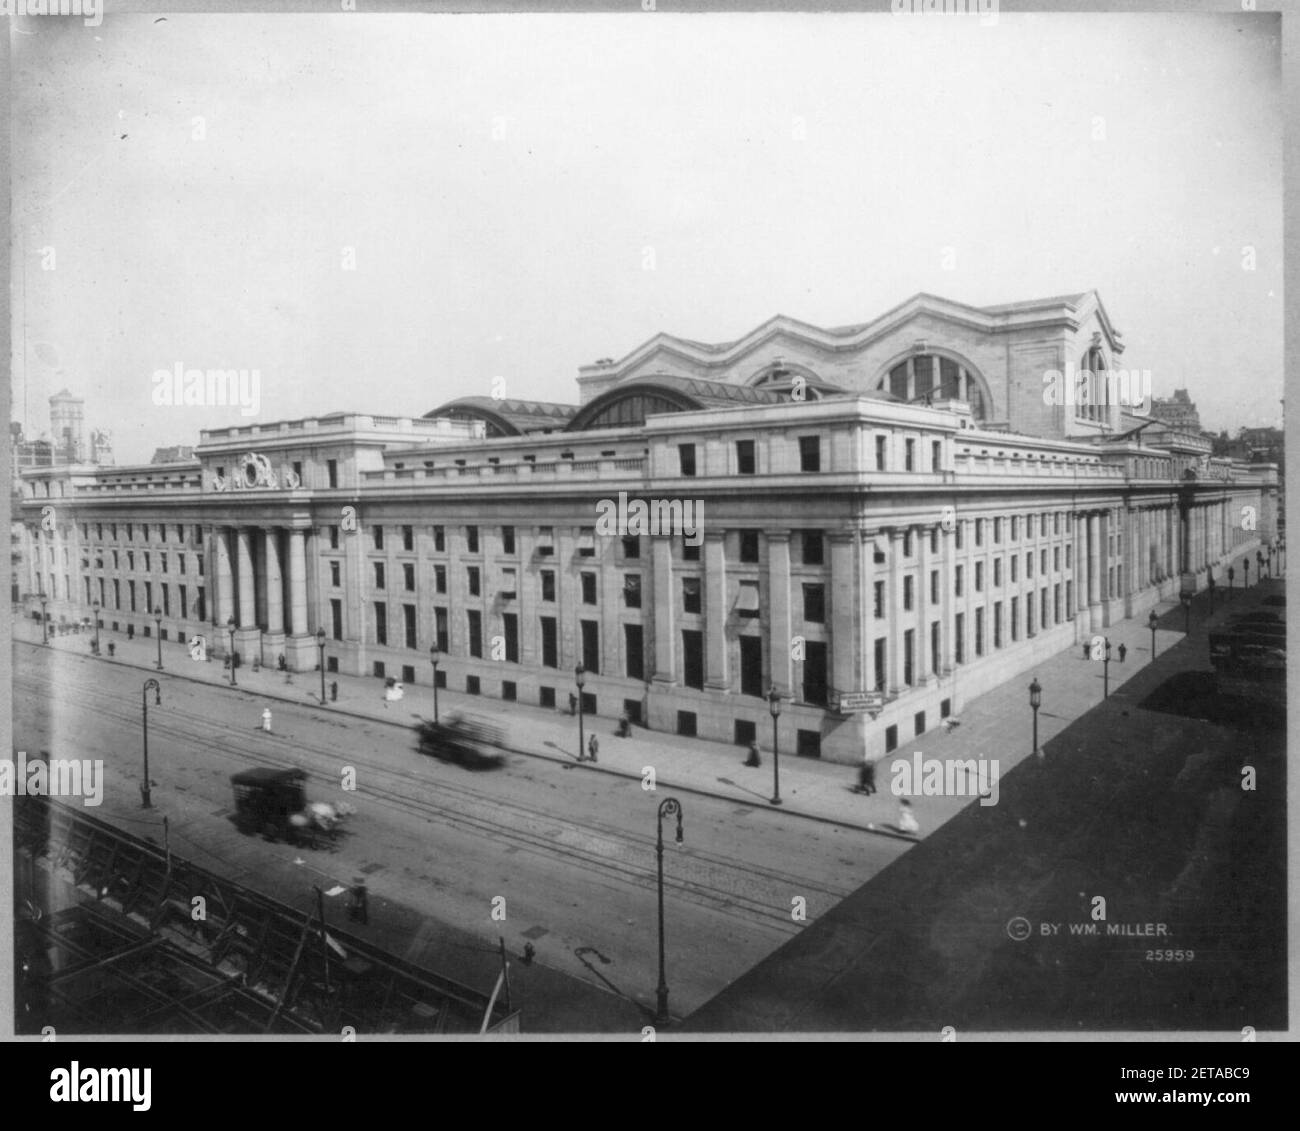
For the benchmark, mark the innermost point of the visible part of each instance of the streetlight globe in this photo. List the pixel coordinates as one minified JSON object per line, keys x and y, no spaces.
{"x":580,"y":676}
{"x":1035,"y":694}
{"x":774,"y":702}
{"x":1153,"y":620}
{"x":320,"y":637}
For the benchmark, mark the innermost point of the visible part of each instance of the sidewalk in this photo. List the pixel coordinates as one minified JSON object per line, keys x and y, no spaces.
{"x":995,"y":726}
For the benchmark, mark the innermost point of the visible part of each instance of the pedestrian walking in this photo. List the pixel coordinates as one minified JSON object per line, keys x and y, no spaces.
{"x":753,"y":759}
{"x":593,"y":748}
{"x":266,"y":719}
{"x":1123,"y":651}
{"x":1086,"y":650}
{"x":573,"y":704}
{"x":624,"y":725}
{"x":867,"y":778}
{"x":907,"y":819}
{"x":112,"y":649}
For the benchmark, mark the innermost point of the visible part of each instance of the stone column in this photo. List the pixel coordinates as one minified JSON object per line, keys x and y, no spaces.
{"x":222,"y":581}
{"x":894,"y":612}
{"x":247,"y":597}
{"x":844,"y":575}
{"x":715,"y":612}
{"x":921,"y":658}
{"x":274,"y":582}
{"x":665,"y":629}
{"x":1092,"y":524}
{"x":778,"y":589}
{"x":298,"y":582}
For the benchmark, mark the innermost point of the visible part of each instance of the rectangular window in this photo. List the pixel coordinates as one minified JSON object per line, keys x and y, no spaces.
{"x":336,"y":617}
{"x":879,"y":668}
{"x":166,"y":596}
{"x":1042,"y":562}
{"x":148,"y":568}
{"x":880,"y":453}
{"x":408,"y":538}
{"x":634,"y":651}
{"x":1056,"y":603}
{"x":959,"y":638}
{"x":180,"y":561}
{"x":979,"y":532}
{"x":814,"y":604}
{"x":958,"y":528}
{"x":1015,"y":618}
{"x":473,"y":578}
{"x":632,"y":590}
{"x":686,"y":458}
{"x":891,"y":738}
{"x":587,"y":542}
{"x":1056,"y":559}
{"x":909,"y":646}
{"x":441,"y":630}
{"x":1069,"y":599}
{"x":439,"y":539}
{"x":979,"y":577}
{"x":997,"y":531}
{"x":957,"y":577}
{"x":909,"y":455}
{"x":408,"y":618}
{"x":1029,"y":614}
{"x":745,"y":464}
{"x":474,"y":623}
{"x":507,"y":539}
{"x":1029,"y":564}
{"x":751,"y":666}
{"x":979,"y":631}
{"x":997,"y":624}
{"x":749,"y":546}
{"x":936,"y":455}
{"x":1015,"y":526}
{"x":381,"y":623}
{"x":692,"y":658}
{"x":408,"y":576}
{"x":548,"y":585}
{"x":471,"y":539}
{"x":879,"y":600}
{"x":907,"y":592}
{"x":1069,"y":556}
{"x":378,"y":534}
{"x":631,"y":547}
{"x":814,"y":673}
{"x":379,"y":575}
{"x":185,"y":601}
{"x":689,"y":553}
{"x":332,"y":471}
{"x":550,"y":650}
{"x":1042,"y":606}
{"x":510,"y":627}
{"x":588,"y":588}
{"x":440,"y":579}
{"x":591,"y":646}
{"x":162,"y":559}
{"x":148,"y":596}
{"x":810,"y":453}
{"x":934,"y":586}
{"x":907,"y":543}
{"x":334,"y":539}
{"x":814,"y":549}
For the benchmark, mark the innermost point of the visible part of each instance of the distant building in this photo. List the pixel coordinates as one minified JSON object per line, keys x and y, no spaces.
{"x":67,"y":422}
{"x":177,"y":453}
{"x":1178,"y":411}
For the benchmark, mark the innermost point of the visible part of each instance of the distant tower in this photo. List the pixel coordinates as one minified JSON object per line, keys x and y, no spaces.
{"x":67,"y":414}
{"x":101,"y":447}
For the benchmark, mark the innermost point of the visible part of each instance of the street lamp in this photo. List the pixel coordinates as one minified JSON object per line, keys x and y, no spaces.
{"x":230,"y":627}
{"x":580,"y":678}
{"x":1152,"y":621}
{"x":1186,"y":599}
{"x":95,"y":609}
{"x":149,"y":685}
{"x":1035,"y":701}
{"x":1231,"y":574}
{"x":1105,"y":671}
{"x":1210,"y":583}
{"x":1245,"y":568}
{"x":45,"y":632}
{"x":435,"y":658}
{"x":668,"y":807}
{"x":774,"y":705}
{"x":1259,"y":558}
{"x":157,"y":631}
{"x":320,"y":646}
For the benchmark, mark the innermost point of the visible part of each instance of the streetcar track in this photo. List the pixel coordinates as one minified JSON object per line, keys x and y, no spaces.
{"x":731,"y":902}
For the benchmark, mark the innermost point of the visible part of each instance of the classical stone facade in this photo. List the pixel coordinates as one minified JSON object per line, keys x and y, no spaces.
{"x":776,"y":519}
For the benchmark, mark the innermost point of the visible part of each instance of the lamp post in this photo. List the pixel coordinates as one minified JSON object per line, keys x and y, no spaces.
{"x":774,"y":705}
{"x":435,"y":658}
{"x":1105,"y":671}
{"x":150,"y":684}
{"x":1245,"y":573}
{"x":1035,"y":701}
{"x":45,"y":632}
{"x":157,"y":631}
{"x":1231,"y":574}
{"x":668,"y":807}
{"x":94,"y":608}
{"x":1186,"y":599}
{"x":230,"y":627}
{"x":1210,"y":584}
{"x":1152,"y":621}
{"x":320,"y":647}
{"x":1259,"y":561}
{"x":580,"y":678}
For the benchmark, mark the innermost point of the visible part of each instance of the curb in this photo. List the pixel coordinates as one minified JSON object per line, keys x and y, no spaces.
{"x":597,"y":768}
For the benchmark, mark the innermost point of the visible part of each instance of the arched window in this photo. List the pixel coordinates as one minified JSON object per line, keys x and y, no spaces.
{"x":1091,"y":392}
{"x":927,"y":376}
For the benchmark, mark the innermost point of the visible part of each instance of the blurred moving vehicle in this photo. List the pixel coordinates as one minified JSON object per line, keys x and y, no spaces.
{"x":274,"y":803}
{"x":464,"y":740}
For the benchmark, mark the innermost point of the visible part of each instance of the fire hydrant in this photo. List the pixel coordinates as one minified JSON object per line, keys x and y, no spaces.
{"x":266,"y":719}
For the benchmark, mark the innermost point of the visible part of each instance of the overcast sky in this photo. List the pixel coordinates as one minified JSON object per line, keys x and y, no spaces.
{"x":501,"y":177}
